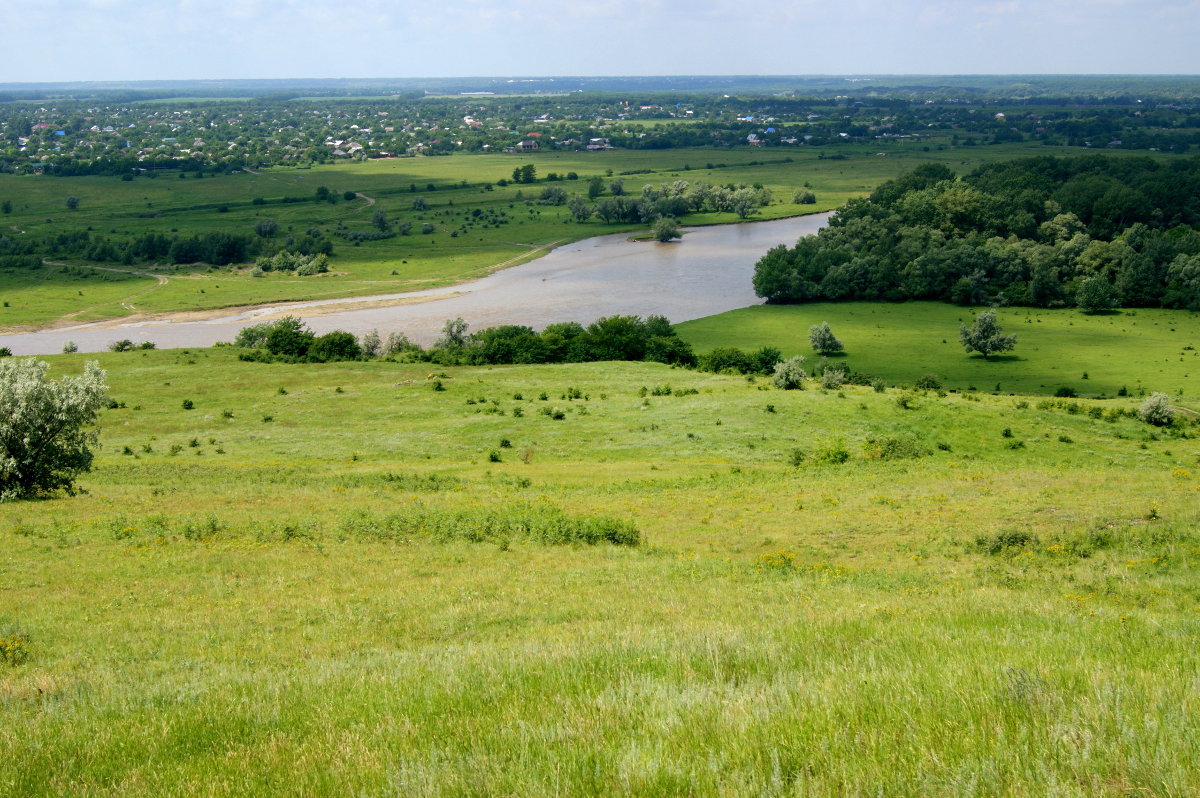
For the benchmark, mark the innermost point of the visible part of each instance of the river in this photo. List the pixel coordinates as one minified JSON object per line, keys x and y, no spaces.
{"x":708,"y":272}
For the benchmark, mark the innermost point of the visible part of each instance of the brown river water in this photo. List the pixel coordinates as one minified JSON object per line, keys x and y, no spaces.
{"x":708,"y":272}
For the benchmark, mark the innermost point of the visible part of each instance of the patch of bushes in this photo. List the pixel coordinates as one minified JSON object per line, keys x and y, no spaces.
{"x":1005,"y":542}
{"x":894,"y":447}
{"x":540,"y":523}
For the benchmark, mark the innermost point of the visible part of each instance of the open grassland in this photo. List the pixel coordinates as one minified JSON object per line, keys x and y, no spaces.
{"x":1140,"y":350}
{"x":122,"y":210}
{"x":834,"y":593}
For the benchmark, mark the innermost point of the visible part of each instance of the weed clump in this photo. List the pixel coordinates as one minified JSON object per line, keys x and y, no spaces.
{"x":543,"y":524}
{"x":1006,"y":542}
{"x":896,"y":447}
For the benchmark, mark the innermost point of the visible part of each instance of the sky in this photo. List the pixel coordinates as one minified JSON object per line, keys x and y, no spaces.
{"x":79,"y":40}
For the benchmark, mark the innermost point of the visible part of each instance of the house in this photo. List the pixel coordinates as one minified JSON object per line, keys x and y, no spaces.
{"x":527,"y":145}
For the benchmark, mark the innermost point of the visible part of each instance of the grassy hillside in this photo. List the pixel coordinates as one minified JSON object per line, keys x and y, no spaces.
{"x":122,"y":210}
{"x":342,"y":585}
{"x":1140,"y":350}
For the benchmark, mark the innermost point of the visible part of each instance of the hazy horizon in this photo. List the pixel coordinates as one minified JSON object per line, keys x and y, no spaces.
{"x":139,"y":40}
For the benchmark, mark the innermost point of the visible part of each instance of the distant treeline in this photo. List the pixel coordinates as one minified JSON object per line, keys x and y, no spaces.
{"x":217,"y":249}
{"x":1024,"y":232}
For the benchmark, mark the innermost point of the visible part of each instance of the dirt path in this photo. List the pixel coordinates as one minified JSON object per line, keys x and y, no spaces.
{"x":125,"y":302}
{"x":370,"y":202}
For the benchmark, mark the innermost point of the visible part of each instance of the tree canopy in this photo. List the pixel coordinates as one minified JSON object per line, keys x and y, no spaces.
{"x":45,"y":435}
{"x":1024,"y":232}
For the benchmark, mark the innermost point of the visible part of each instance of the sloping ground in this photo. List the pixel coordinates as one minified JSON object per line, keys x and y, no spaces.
{"x":337,"y":579}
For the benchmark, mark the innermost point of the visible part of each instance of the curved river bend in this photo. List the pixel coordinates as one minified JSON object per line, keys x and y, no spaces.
{"x":708,"y":272}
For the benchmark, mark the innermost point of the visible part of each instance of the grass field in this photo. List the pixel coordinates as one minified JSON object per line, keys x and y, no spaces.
{"x":1140,"y":350}
{"x":834,"y":594}
{"x":168,"y":205}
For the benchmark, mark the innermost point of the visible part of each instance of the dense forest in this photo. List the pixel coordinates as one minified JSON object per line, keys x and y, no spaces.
{"x":1093,"y":231}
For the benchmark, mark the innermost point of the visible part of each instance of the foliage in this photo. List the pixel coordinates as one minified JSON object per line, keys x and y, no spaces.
{"x":984,"y":336}
{"x":789,"y":374}
{"x":822,"y":339}
{"x":45,"y":439}
{"x":1157,"y":410}
{"x":1096,"y":295}
{"x":833,"y":378}
{"x":665,"y":229}
{"x":334,"y":346}
{"x":1028,"y":232}
{"x":928,"y":382}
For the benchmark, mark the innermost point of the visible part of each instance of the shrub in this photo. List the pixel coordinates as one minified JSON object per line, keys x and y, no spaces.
{"x":1004,"y":542}
{"x":878,"y":385}
{"x":123,"y":345}
{"x":45,"y":439}
{"x":832,"y":379}
{"x":14,"y":649}
{"x":188,"y":404}
{"x":334,"y":346}
{"x":1065,"y":392}
{"x":897,"y":447}
{"x":789,"y":375}
{"x":929,"y":382}
{"x":70,"y":347}
{"x":1157,"y":410}
{"x":834,"y":453}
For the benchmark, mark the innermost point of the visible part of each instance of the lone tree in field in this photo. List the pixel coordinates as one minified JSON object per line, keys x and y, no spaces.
{"x":665,"y":229}
{"x":1096,"y":295}
{"x":984,"y":336}
{"x":823,"y":340}
{"x":45,"y":441}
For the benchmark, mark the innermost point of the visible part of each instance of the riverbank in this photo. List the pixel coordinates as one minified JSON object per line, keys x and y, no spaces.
{"x":709,"y":272}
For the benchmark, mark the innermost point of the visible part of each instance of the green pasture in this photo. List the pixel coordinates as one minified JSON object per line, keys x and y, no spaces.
{"x":169,"y":205}
{"x":985,"y":596}
{"x":1141,"y":350}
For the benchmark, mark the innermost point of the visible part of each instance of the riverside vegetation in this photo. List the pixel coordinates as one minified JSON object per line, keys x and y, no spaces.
{"x":162,"y":245}
{"x":604,"y":578}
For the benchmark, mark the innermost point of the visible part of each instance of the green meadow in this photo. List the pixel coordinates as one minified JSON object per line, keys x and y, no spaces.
{"x":338,"y":579}
{"x":165,"y":204}
{"x":1140,"y":349}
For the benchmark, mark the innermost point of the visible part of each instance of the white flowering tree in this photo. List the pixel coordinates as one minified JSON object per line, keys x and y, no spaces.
{"x":46,"y":436}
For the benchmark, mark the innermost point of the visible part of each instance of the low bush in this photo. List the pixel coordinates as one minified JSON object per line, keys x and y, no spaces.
{"x":540,"y":523}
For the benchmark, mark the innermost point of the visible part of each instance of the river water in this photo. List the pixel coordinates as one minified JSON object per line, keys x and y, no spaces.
{"x":708,"y":272}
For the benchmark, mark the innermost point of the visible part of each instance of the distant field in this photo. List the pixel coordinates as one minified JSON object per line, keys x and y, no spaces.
{"x":1141,"y":350}
{"x":169,"y":205}
{"x":834,"y":595}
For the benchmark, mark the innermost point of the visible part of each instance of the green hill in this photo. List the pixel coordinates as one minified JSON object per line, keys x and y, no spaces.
{"x":336,"y":579}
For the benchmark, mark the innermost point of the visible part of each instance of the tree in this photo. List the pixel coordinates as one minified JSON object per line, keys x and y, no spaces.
{"x":984,"y":336}
{"x":1096,"y":295}
{"x":665,"y":229}
{"x":6,"y":206}
{"x":804,"y":197}
{"x":420,"y":204}
{"x":72,"y":202}
{"x":289,"y":337}
{"x":266,"y":228}
{"x":579,"y":208}
{"x":453,"y":334}
{"x":334,"y":346}
{"x":823,"y":340}
{"x":381,"y":222}
{"x":45,"y":439}
{"x":371,"y":344}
